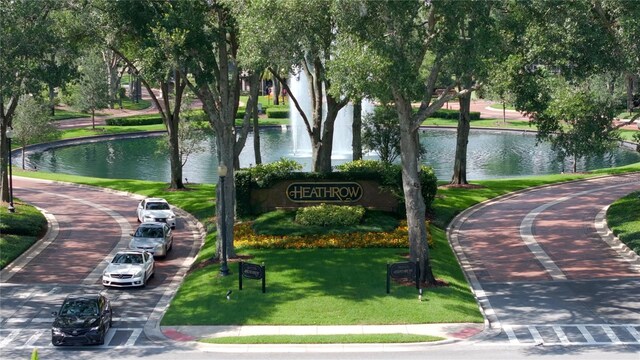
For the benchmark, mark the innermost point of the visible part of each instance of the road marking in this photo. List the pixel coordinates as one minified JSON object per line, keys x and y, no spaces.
{"x":614,"y":338}
{"x":133,"y":338}
{"x":109,"y":336}
{"x":561,"y":335}
{"x":34,"y":338}
{"x":46,"y":320}
{"x":536,"y":335}
{"x":562,"y":339}
{"x":526,"y":232}
{"x":9,"y":338}
{"x":512,"y":336}
{"x":633,"y":332}
{"x":586,"y":334}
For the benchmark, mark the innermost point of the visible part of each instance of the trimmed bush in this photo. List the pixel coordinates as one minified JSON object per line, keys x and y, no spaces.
{"x":324,"y":215}
{"x":275,"y":113}
{"x":453,"y":114}
{"x":135,"y":120}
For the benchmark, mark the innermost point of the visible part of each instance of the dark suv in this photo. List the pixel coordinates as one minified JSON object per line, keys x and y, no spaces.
{"x":82,"y":320}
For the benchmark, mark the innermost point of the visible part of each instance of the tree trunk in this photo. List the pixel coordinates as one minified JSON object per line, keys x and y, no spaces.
{"x":52,"y":103}
{"x":276,"y":92}
{"x":462,"y":140}
{"x":93,"y":118}
{"x":226,"y":141}
{"x":414,"y":202}
{"x":4,"y":162}
{"x":256,"y":135}
{"x":356,"y":130}
{"x":629,"y":78}
{"x":23,"y":146}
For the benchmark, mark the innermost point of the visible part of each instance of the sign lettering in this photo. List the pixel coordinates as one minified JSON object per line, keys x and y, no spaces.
{"x":324,"y":192}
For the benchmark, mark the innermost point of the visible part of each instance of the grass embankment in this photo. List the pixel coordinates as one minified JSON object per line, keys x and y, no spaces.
{"x":19,"y":230}
{"x":623,"y":217}
{"x":324,"y":339}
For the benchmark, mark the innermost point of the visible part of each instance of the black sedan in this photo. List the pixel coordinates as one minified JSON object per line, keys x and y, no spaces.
{"x":82,"y":320}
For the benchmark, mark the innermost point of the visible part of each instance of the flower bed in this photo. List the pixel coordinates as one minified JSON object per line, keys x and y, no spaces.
{"x":245,"y":237}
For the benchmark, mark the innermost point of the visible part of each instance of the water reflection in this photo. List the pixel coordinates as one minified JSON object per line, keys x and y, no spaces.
{"x":490,"y":155}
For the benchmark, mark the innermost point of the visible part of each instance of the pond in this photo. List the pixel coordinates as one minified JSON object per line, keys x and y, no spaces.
{"x":490,"y":155}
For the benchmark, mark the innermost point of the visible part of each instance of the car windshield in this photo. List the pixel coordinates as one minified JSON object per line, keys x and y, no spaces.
{"x":127,"y":259}
{"x":157,"y":206}
{"x":79,"y":308}
{"x":148,"y":232}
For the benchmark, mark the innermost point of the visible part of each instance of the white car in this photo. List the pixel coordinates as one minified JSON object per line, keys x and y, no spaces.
{"x":153,"y":237}
{"x":156,"y":210}
{"x":129,"y":268}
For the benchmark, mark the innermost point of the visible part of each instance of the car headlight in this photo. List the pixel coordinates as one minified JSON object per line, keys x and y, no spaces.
{"x":149,"y":217}
{"x":95,"y":328}
{"x":107,"y":275}
{"x":138,"y":274}
{"x":172,"y":216}
{"x":56,"y":330}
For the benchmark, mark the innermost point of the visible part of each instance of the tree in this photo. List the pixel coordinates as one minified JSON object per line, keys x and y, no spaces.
{"x":93,"y":88}
{"x":403,"y":45}
{"x":474,"y":47}
{"x":210,"y":54}
{"x":31,"y":124}
{"x":303,"y":42}
{"x":381,"y":133}
{"x":24,"y":27}
{"x":578,"y":123}
{"x":148,"y":37}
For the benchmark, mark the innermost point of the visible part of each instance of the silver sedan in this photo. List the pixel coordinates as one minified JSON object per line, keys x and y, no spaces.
{"x":153,"y":237}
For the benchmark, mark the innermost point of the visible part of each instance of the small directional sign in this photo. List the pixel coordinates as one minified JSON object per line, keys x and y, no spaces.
{"x":252,"y":271}
{"x":403,"y":270}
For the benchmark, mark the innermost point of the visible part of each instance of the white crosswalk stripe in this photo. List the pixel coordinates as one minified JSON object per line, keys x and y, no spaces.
{"x":573,"y":334}
{"x":39,"y":338}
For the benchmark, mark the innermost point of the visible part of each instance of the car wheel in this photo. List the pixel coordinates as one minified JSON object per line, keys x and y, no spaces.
{"x":54,"y":343}
{"x":104,"y":334}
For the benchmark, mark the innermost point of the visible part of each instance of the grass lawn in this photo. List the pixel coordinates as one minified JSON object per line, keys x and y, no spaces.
{"x":628,"y":134}
{"x":130,"y":105}
{"x":19,"y":230}
{"x":624,"y":220}
{"x":109,"y":130}
{"x":323,"y":339}
{"x":62,"y":114}
{"x":492,"y":123}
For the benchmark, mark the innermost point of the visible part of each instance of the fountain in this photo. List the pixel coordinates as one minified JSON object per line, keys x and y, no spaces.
{"x":342,"y":134}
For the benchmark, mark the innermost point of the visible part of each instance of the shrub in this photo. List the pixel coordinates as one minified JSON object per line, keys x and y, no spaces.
{"x":324,"y":215}
{"x":454,"y":114}
{"x":275,"y":113}
{"x":135,"y":120}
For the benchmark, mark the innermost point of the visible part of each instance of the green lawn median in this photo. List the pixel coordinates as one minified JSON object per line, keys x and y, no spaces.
{"x":623,"y":217}
{"x":324,"y":339}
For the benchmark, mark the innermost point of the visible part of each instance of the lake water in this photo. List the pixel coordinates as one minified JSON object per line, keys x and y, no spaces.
{"x":490,"y":155}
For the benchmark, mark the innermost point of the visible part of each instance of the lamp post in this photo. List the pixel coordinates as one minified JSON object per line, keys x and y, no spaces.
{"x":224,"y":269}
{"x":9,"y":135}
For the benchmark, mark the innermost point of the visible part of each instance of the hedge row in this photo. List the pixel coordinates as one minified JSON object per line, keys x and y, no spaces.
{"x":135,"y":120}
{"x":454,"y":114}
{"x":275,"y":113}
